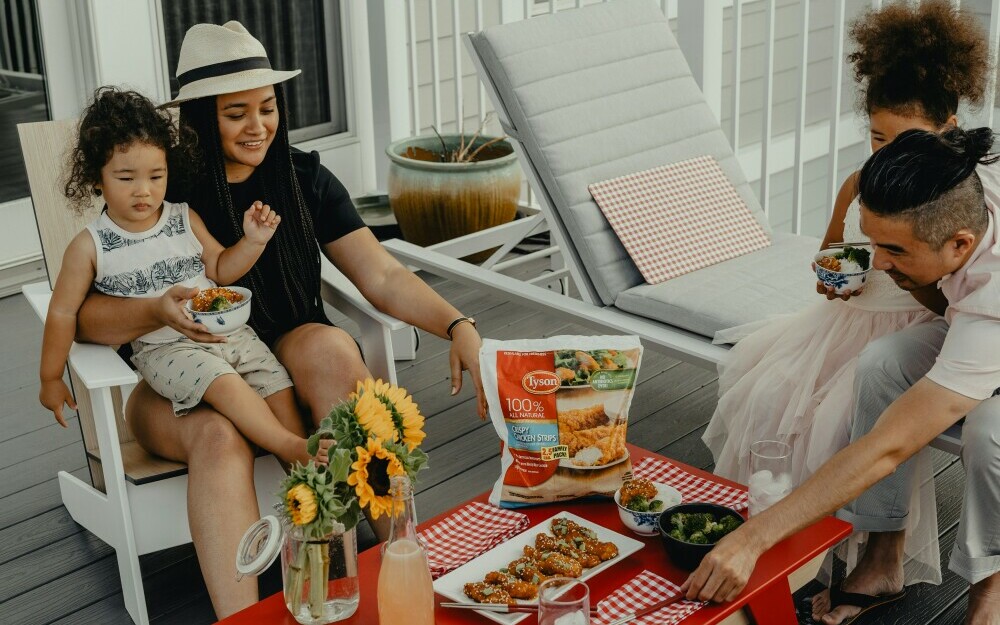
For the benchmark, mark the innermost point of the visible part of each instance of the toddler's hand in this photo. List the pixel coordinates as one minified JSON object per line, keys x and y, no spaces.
{"x":53,"y":395}
{"x":259,"y":223}
{"x":323,"y":454}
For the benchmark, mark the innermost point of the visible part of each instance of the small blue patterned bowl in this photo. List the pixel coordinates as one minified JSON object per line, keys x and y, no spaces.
{"x":840,"y":282}
{"x":644,"y":523}
{"x":225,"y":321}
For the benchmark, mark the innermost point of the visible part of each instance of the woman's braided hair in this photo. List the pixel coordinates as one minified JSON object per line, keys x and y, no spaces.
{"x":920,"y":59}
{"x":294,"y":242}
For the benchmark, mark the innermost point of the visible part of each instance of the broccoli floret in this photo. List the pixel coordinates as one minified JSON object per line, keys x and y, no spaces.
{"x":678,"y":521}
{"x":859,"y":255}
{"x":699,"y":521}
{"x":714,"y":531}
{"x":220,"y":303}
{"x":638,"y":504}
{"x":729,"y":523}
{"x":655,"y":506}
{"x":700,"y":528}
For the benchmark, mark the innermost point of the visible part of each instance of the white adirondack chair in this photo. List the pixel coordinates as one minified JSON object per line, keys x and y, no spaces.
{"x":138,"y":502}
{"x":596,"y":93}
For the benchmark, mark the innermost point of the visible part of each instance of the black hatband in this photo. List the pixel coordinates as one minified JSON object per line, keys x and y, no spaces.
{"x":221,"y":69}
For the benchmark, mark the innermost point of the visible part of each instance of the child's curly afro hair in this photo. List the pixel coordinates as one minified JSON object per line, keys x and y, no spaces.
{"x":920,"y":60}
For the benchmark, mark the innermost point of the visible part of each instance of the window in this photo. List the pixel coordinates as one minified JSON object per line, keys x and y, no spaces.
{"x":22,"y":90}
{"x":303,"y":34}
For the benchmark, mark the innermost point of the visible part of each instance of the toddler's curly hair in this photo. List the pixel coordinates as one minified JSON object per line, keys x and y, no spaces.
{"x":920,"y":60}
{"x":117,"y":119}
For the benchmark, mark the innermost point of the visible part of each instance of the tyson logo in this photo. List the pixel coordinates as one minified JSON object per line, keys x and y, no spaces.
{"x":540,"y":382}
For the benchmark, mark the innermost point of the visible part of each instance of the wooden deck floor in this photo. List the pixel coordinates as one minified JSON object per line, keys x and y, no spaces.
{"x":53,"y":571}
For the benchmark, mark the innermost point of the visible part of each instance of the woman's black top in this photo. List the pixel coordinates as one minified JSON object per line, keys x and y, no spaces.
{"x":333,"y":216}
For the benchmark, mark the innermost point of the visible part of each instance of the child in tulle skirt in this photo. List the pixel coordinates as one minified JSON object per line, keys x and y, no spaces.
{"x":791,"y":379}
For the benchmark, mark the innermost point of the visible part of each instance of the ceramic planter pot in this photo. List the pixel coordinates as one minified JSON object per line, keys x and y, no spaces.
{"x":435,"y":201}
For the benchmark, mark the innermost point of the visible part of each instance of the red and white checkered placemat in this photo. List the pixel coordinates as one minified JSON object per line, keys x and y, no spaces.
{"x":468,"y":532}
{"x":691,"y":487}
{"x":678,"y":218}
{"x":642,"y":591}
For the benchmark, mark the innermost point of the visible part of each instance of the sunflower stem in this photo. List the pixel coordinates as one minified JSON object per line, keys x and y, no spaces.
{"x":317,"y":580}
{"x":296,"y":578}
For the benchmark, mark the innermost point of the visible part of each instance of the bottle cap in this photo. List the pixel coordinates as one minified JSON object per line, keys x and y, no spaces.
{"x":259,"y":547}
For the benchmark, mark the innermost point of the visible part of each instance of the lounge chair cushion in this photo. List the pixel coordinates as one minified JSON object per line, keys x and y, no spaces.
{"x":767,"y":282}
{"x":598,"y":93}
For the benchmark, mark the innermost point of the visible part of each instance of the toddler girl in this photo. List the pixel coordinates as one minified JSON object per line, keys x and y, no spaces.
{"x":140,"y":246}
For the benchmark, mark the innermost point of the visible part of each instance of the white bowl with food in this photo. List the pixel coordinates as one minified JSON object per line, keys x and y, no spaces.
{"x":222,"y":310}
{"x":845,"y":269}
{"x":640,"y":502}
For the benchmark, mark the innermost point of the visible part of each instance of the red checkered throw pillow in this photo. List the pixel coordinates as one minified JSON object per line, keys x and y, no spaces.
{"x":678,"y":218}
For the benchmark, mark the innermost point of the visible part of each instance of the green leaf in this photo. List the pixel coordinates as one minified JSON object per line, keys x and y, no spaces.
{"x":312,"y":445}
{"x":340,"y":465}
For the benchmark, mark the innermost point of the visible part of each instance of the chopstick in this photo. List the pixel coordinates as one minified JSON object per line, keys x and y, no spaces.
{"x":848,"y":244}
{"x":648,"y":610}
{"x":500,"y":608}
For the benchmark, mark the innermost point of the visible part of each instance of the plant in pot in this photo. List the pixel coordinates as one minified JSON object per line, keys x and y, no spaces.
{"x":446,"y":186}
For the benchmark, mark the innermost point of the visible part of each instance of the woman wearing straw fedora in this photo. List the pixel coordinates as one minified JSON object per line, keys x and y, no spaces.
{"x":235,"y":103}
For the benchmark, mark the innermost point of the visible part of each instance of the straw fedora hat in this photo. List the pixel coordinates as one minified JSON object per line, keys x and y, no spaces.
{"x":223,"y":59}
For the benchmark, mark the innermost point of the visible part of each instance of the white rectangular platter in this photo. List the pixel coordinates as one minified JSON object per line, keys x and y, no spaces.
{"x":452,"y":584}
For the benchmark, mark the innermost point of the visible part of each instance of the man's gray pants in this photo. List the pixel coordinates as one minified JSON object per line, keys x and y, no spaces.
{"x":887,"y":367}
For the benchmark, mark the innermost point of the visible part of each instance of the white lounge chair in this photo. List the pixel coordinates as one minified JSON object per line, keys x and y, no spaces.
{"x":138,"y":502}
{"x":596,"y":93}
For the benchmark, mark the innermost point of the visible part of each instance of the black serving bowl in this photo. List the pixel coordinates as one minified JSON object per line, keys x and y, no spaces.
{"x":688,"y":555}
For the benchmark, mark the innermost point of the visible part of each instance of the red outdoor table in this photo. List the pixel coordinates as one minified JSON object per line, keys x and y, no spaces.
{"x":786,"y":567}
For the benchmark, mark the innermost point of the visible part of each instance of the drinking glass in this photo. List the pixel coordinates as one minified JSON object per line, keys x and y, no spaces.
{"x":563,"y":601}
{"x":770,"y":474}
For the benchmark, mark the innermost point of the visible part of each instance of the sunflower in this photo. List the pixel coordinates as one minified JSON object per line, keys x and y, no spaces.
{"x":370,"y":475}
{"x":406,"y":417}
{"x":374,"y":417}
{"x":412,"y":422}
{"x":300,"y":502}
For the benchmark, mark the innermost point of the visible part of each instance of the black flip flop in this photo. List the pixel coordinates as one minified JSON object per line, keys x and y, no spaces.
{"x":867,"y":603}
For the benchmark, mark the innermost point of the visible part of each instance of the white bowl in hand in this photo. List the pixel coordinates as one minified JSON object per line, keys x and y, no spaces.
{"x":852,"y":275}
{"x":224,"y":321}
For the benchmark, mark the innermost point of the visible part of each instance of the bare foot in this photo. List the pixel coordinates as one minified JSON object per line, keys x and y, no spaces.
{"x":984,"y":602}
{"x":862,"y":581}
{"x":879,"y":572}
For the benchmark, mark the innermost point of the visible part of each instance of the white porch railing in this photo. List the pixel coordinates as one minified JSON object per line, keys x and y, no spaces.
{"x":774,"y":71}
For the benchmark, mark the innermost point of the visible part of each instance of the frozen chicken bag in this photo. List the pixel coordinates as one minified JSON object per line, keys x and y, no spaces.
{"x":560,"y":406}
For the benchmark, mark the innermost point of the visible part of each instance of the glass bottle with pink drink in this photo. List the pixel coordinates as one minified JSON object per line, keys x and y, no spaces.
{"x":405,"y":593}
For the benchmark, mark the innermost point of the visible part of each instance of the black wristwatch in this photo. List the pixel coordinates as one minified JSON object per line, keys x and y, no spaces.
{"x":451,"y":327}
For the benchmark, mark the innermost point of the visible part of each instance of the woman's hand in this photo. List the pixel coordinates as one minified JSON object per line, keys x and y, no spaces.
{"x":53,"y":395}
{"x":170,"y":312}
{"x":465,"y":344}
{"x":259,"y":223}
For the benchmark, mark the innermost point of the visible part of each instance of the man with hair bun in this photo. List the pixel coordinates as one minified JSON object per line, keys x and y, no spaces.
{"x":930,"y":222}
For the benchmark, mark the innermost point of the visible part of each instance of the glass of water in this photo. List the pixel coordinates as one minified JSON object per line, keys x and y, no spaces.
{"x":563,"y":601}
{"x":770,"y":474}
